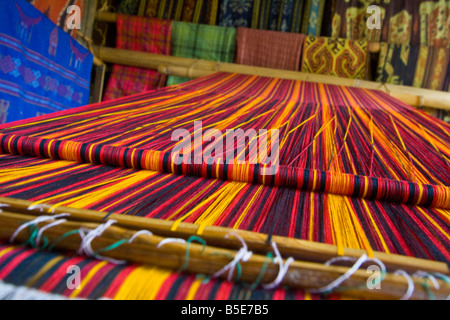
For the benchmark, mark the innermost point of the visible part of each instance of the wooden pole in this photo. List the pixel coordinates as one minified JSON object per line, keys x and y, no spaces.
{"x":193,"y":68}
{"x":208,"y":260}
{"x":217,"y":236}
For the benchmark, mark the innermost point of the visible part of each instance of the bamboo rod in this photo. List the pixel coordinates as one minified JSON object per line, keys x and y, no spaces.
{"x":208,"y":260}
{"x":195,"y":68}
{"x":111,"y":17}
{"x":216,"y":236}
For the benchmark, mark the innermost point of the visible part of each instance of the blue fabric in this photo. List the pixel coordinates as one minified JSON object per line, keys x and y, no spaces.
{"x":236,"y":13}
{"x":42,"y":68}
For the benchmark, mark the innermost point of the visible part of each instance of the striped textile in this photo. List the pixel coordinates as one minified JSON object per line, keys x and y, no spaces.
{"x":236,"y":13}
{"x":358,"y":169}
{"x":195,"y":11}
{"x":199,"y":41}
{"x":417,"y":66}
{"x":288,"y":16}
{"x":335,"y":57}
{"x":138,"y":34}
{"x":269,"y":49}
{"x":312,"y":20}
{"x":414,"y":22}
{"x":130,"y":7}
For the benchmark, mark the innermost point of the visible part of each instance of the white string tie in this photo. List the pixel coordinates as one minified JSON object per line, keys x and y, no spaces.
{"x":3,"y":205}
{"x":410,"y":290}
{"x":140,"y":233}
{"x":336,"y":283}
{"x":170,"y":240}
{"x":242,"y":255}
{"x":41,"y":230}
{"x":283,"y":268}
{"x":87,"y":238}
{"x":35,"y":222}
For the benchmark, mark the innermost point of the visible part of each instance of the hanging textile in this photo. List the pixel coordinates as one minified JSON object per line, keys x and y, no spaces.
{"x":275,"y":15}
{"x":336,"y":57}
{"x":313,"y":14}
{"x":56,"y":11}
{"x":350,"y":20}
{"x":42,"y":69}
{"x":236,"y":13}
{"x":195,"y":11}
{"x":417,"y":66}
{"x":327,"y":18}
{"x":197,"y":41}
{"x":269,"y":49}
{"x":138,"y":34}
{"x":130,"y":7}
{"x":415,"y":22}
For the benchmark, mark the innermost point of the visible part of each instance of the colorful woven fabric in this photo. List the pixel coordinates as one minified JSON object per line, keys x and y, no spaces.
{"x":336,"y":57}
{"x":195,"y":11}
{"x":275,"y":15}
{"x":236,"y":13}
{"x":269,"y":49}
{"x":312,"y":20}
{"x":139,"y":34}
{"x":197,"y":41}
{"x":130,"y":7}
{"x":278,"y":15}
{"x":358,"y":168}
{"x":42,"y":69}
{"x":421,"y":67}
{"x":350,"y":20}
{"x":415,"y":22}
{"x":56,"y":11}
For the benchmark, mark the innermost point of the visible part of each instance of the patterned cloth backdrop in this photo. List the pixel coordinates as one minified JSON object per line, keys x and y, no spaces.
{"x":57,"y":11}
{"x":417,"y":66}
{"x":236,"y":13}
{"x":139,"y":34}
{"x":416,"y":22}
{"x":130,"y":7}
{"x":42,"y":69}
{"x":278,"y":15}
{"x":269,"y":49}
{"x":336,"y":57}
{"x":198,"y":41}
{"x":312,"y":19}
{"x":196,"y":11}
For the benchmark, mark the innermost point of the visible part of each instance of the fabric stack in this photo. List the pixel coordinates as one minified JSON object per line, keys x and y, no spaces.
{"x":139,"y":34}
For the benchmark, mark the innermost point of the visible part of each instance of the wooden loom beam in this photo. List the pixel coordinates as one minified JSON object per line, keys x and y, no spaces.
{"x":194,"y":68}
{"x":208,"y":260}
{"x":298,"y":249}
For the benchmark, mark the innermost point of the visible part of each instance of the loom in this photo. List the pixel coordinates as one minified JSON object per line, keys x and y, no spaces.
{"x":336,"y":188}
{"x":362,"y":180}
